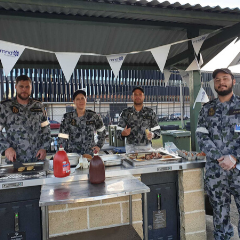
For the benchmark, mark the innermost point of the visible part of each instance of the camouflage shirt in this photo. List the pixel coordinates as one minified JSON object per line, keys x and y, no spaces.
{"x":77,"y":133}
{"x":138,"y":122}
{"x":27,"y":128}
{"x":216,"y":131}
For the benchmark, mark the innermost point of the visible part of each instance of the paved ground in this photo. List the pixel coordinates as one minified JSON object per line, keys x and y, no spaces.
{"x":234,"y":220}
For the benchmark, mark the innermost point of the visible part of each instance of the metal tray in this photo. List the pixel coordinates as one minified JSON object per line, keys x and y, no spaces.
{"x":112,"y":159}
{"x":8,"y":169}
{"x":135,"y":163}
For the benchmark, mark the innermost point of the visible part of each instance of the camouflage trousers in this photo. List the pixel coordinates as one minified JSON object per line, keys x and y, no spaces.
{"x":219,"y":187}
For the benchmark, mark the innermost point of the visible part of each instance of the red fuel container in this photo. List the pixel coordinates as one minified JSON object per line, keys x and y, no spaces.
{"x":61,"y":165}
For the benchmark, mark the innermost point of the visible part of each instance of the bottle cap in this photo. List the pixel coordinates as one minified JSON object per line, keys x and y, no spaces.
{"x":61,"y":148}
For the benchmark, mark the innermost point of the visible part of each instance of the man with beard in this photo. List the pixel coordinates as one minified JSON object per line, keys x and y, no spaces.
{"x":218,"y":135}
{"x":27,"y":128}
{"x":138,"y":124}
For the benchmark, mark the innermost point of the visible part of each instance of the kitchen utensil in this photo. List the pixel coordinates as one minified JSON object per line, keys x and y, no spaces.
{"x":17,"y":164}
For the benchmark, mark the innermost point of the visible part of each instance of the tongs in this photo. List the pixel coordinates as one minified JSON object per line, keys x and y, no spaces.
{"x":16,"y":164}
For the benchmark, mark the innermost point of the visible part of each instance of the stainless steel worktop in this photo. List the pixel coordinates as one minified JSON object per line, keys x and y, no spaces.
{"x":113,"y":171}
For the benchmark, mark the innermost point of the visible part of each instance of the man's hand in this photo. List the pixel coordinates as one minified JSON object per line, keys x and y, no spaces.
{"x":10,"y":154}
{"x":126,"y":132}
{"x":227,"y":162}
{"x":96,"y":149}
{"x":41,"y":154}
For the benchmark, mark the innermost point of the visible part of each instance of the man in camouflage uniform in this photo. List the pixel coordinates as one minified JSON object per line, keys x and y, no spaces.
{"x":133,"y":123}
{"x":218,"y":135}
{"x":77,"y":128}
{"x":27,"y":128}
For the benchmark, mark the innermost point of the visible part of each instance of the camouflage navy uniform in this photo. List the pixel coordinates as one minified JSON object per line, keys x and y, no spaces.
{"x":216,"y":136}
{"x":138,"y":122}
{"x":27,"y":128}
{"x":77,"y":133}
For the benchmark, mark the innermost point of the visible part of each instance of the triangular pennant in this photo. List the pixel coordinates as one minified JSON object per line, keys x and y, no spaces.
{"x":167,"y":75}
{"x":211,"y":83}
{"x":185,"y":76}
{"x":9,"y":54}
{"x":235,"y":61}
{"x":201,"y":97}
{"x":160,"y":55}
{"x":198,"y":41}
{"x":200,"y":60}
{"x":115,"y":62}
{"x":193,"y":66}
{"x":68,"y":62}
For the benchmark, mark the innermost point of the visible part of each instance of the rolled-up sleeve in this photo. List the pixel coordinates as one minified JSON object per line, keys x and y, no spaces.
{"x":63,"y":135}
{"x":203,"y":138}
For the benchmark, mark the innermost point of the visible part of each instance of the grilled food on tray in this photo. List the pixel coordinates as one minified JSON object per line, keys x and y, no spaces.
{"x":145,"y":156}
{"x":21,"y":169}
{"x":29,"y":168}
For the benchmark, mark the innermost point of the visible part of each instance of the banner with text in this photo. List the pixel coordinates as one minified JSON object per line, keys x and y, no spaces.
{"x":115,"y":62}
{"x":198,"y":41}
{"x":9,"y":54}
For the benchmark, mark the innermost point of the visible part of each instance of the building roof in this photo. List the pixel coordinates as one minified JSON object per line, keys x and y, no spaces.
{"x":114,"y":26}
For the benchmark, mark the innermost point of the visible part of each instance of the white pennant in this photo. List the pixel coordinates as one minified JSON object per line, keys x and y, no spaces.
{"x":235,"y":61}
{"x":198,"y":41}
{"x":200,"y":60}
{"x":160,"y":55}
{"x":185,"y":76}
{"x":167,"y":75}
{"x":201,"y":97}
{"x":9,"y":54}
{"x":211,"y":83}
{"x":193,"y":66}
{"x":68,"y":62}
{"x":115,"y":62}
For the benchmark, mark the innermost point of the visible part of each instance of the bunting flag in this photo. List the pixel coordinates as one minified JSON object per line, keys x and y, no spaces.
{"x":235,"y":61}
{"x":115,"y":62}
{"x":201,"y":97}
{"x":167,"y":75}
{"x":200,"y":60}
{"x":197,"y":42}
{"x":160,"y":55}
{"x":211,"y":83}
{"x":9,"y":54}
{"x":193,"y":66}
{"x":68,"y":62}
{"x":185,"y":76}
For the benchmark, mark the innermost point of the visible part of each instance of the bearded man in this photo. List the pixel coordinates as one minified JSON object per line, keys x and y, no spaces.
{"x":25,"y":121}
{"x":138,"y":124}
{"x":218,"y":135}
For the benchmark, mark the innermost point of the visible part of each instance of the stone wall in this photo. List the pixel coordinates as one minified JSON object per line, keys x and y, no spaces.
{"x":191,"y":204}
{"x":78,"y":217}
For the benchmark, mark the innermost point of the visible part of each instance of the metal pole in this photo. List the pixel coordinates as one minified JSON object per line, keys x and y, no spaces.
{"x":145,"y":216}
{"x":130,"y":209}
{"x":181,"y":104}
{"x":45,"y":230}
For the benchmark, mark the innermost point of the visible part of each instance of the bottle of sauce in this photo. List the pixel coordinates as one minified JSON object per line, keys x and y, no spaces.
{"x":61,"y":164}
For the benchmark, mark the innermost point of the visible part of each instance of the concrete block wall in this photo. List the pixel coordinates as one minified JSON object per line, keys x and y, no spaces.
{"x":78,"y":217}
{"x":191,"y":204}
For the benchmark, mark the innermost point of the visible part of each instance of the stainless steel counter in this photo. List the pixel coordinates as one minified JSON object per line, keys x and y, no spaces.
{"x":110,"y":172}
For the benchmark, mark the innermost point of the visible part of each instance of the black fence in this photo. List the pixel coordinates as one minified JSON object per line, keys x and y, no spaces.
{"x":49,"y":85}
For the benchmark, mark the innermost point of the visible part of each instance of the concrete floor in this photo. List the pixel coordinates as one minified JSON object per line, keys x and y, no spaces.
{"x":234,"y":220}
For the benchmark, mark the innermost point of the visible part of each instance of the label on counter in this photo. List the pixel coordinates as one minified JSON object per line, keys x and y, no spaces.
{"x":12,"y":185}
{"x":17,"y":236}
{"x":161,"y":169}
